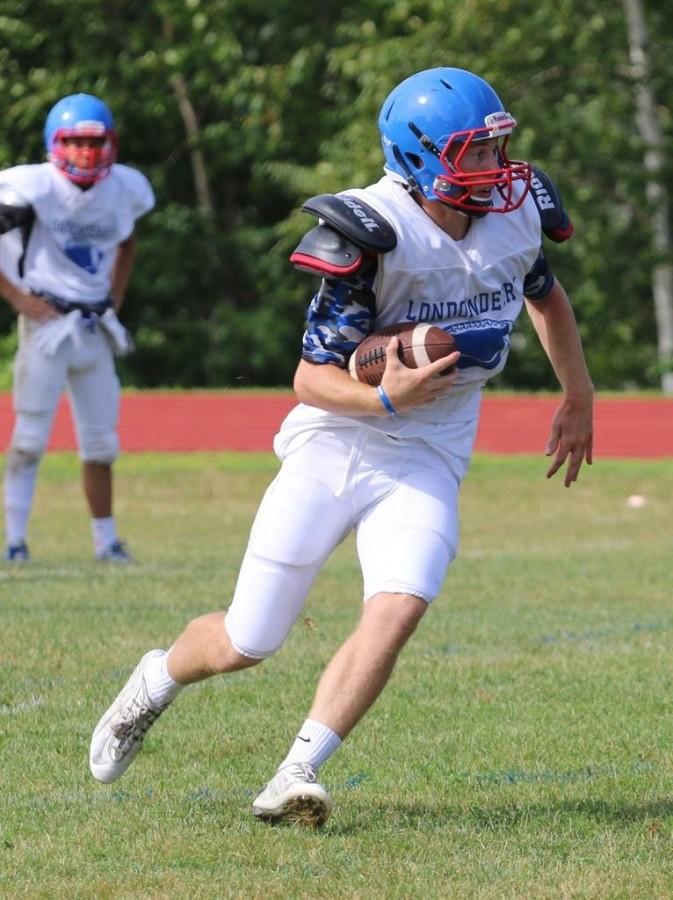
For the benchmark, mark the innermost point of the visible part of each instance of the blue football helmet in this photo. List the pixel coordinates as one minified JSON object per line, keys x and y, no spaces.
{"x":429,"y":122}
{"x":81,"y":116}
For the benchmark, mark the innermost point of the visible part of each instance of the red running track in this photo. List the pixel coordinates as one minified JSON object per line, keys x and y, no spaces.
{"x":229,"y":420}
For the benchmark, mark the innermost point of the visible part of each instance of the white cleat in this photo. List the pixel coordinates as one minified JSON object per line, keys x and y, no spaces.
{"x":293,"y":795}
{"x":119,"y":734}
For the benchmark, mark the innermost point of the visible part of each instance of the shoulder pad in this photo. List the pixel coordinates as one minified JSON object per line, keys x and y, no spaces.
{"x":14,"y":210}
{"x":355,"y":219}
{"x":556,"y":223}
{"x":323,"y":251}
{"x":349,"y":232}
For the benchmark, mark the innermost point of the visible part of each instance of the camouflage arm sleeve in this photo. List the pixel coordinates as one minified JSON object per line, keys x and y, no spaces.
{"x":341,"y":315}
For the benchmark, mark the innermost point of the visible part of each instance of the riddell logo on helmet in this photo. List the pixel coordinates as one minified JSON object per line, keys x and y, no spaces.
{"x":91,"y":126}
{"x":358,"y":211}
{"x":498,"y":120}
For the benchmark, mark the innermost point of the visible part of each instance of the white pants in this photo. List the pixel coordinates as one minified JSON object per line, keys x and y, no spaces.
{"x":399,"y":496}
{"x":84,"y":365}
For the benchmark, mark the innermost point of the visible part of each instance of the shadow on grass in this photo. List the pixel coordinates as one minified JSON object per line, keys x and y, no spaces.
{"x":424,"y":817}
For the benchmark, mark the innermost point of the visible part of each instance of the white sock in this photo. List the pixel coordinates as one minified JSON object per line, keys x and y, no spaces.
{"x":104,"y":533}
{"x":19,"y":490}
{"x":314,"y":744}
{"x":16,"y":524}
{"x":161,"y":687}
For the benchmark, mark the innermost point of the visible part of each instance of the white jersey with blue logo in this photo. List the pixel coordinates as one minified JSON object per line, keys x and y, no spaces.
{"x":74,"y":239}
{"x":472,"y":288}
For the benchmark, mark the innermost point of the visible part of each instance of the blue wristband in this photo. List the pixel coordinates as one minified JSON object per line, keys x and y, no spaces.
{"x":385,"y":399}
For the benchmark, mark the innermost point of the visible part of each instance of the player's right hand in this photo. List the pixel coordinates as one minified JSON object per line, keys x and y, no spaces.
{"x":413,"y":387}
{"x":33,"y":307}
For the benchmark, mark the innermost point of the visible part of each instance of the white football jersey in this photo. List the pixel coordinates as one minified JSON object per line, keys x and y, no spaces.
{"x":73,"y":242}
{"x":472,"y":288}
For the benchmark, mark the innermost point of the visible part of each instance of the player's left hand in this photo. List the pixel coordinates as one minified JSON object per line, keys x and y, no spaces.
{"x":571,"y":438}
{"x":408,"y":387}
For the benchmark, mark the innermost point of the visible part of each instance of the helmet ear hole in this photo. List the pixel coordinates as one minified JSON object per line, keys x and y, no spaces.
{"x":415,"y":160}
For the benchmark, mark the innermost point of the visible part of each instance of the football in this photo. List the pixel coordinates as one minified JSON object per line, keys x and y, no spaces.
{"x":418,"y":346}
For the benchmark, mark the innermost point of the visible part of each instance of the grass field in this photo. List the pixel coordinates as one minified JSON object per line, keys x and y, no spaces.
{"x":524,"y":748}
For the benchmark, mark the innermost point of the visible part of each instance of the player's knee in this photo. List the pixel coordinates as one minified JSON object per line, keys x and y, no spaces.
{"x":268,"y":599}
{"x":99,"y":446}
{"x":394,"y":616}
{"x":220,"y":653}
{"x":243,"y":655}
{"x":30,"y":437}
{"x":18,"y":459}
{"x":259,"y":638}
{"x":28,"y":446}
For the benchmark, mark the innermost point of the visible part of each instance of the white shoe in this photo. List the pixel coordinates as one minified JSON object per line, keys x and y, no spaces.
{"x":119,"y":734}
{"x":293,"y":795}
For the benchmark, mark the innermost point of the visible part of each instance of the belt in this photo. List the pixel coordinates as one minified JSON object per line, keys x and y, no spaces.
{"x":89,"y":309}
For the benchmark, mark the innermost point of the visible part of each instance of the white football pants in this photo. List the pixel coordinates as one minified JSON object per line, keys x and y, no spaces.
{"x":84,"y":364}
{"x":399,"y":496}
